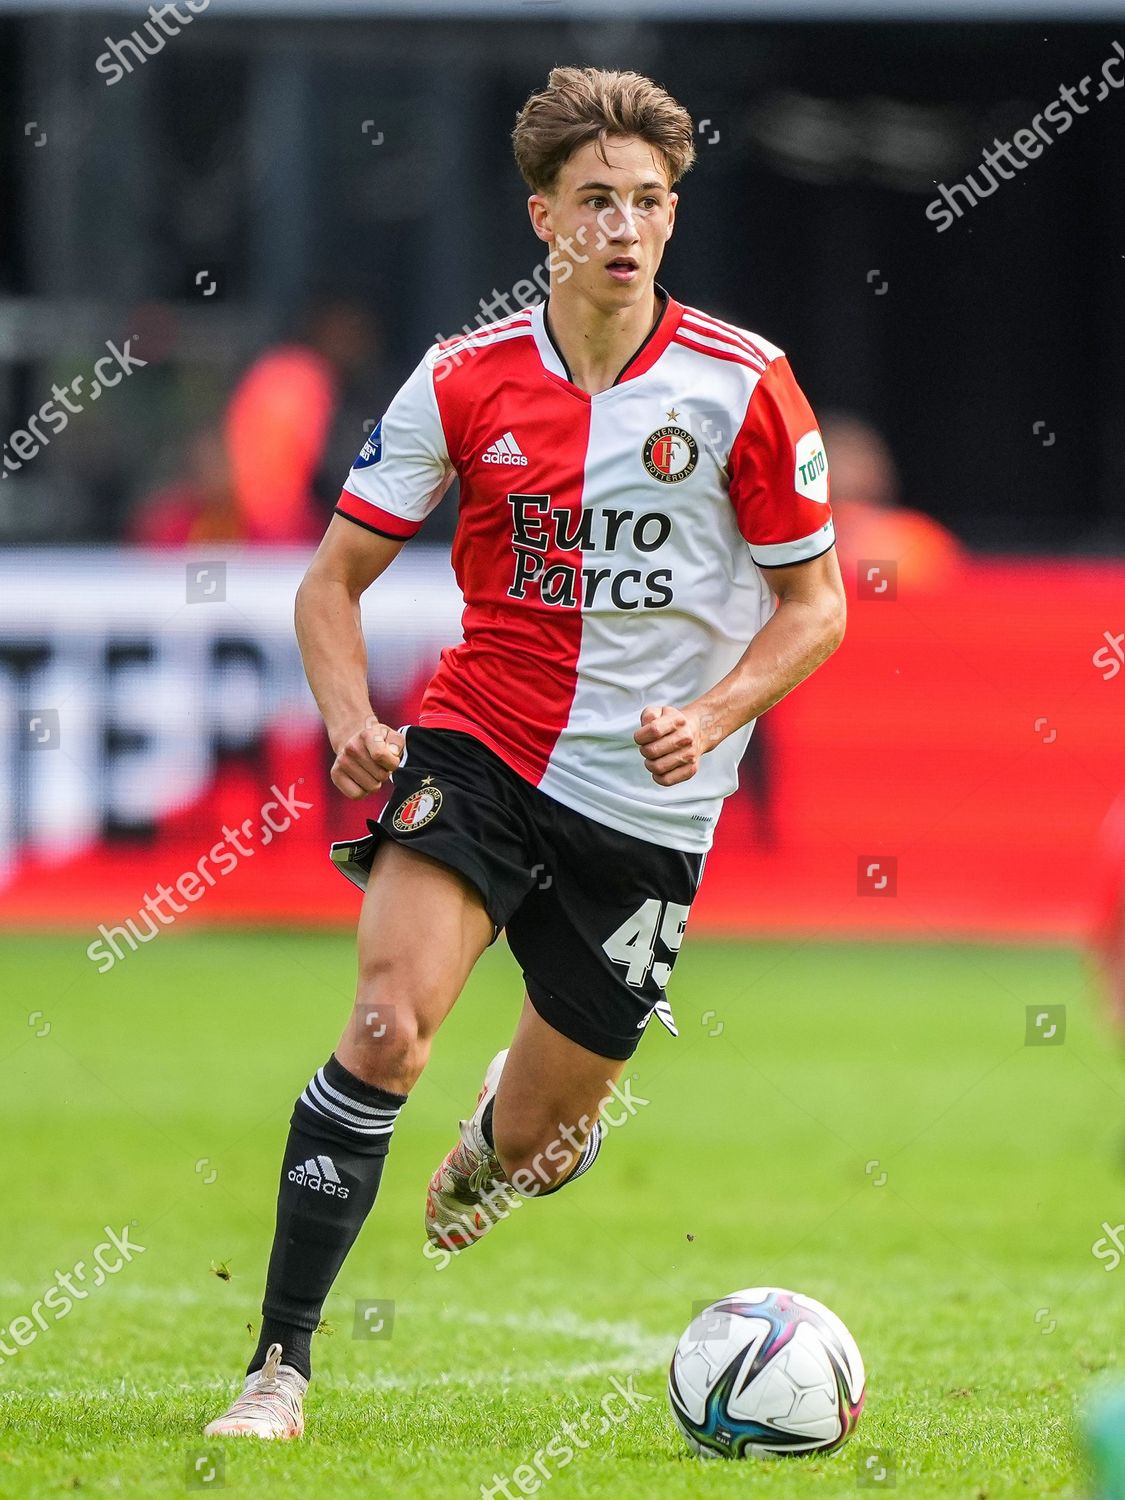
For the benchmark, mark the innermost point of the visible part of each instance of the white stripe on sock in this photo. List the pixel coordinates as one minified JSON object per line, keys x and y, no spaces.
{"x":589,"y":1152}
{"x":355,"y":1105}
{"x":330,"y":1111}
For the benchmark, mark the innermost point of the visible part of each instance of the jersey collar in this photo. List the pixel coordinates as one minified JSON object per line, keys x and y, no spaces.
{"x":642,"y":360}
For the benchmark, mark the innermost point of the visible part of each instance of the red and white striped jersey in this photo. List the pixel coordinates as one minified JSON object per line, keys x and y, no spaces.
{"x":610,"y":548}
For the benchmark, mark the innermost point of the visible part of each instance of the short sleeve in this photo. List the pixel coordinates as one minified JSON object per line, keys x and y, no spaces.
{"x":403,"y":469}
{"x":779,"y":474}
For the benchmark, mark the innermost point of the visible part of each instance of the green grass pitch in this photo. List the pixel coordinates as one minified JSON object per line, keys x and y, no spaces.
{"x":864,"y":1123}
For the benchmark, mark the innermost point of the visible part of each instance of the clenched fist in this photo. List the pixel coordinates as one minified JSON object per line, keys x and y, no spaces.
{"x":673,"y":740}
{"x":365,"y":760}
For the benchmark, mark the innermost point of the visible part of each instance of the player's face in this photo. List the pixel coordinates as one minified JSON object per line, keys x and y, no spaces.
{"x":608,"y":221}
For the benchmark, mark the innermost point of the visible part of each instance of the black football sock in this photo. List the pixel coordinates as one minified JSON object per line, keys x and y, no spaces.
{"x":338,"y":1139}
{"x":486,"y":1123}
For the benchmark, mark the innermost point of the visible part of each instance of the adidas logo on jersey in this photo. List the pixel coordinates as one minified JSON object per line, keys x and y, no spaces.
{"x":505,"y":450}
{"x":320,"y":1174}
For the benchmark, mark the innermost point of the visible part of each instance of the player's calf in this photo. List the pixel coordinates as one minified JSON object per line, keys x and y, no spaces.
{"x":538,"y":1161}
{"x":545,"y":1124}
{"x":481,"y":1181}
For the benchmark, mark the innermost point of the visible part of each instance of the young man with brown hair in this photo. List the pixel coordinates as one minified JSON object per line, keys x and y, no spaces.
{"x":638,"y":481}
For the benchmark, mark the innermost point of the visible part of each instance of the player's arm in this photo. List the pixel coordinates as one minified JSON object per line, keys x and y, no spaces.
{"x":803,"y":631}
{"x":401,"y":473}
{"x":330,"y":634}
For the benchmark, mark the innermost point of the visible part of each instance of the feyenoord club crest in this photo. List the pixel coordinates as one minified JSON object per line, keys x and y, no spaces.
{"x":420,"y":808}
{"x":670,"y":454}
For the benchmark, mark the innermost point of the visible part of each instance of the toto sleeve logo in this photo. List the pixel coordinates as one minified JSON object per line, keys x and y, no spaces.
{"x":810,"y":475}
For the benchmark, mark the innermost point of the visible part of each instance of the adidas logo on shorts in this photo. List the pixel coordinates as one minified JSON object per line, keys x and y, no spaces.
{"x":320,"y":1174}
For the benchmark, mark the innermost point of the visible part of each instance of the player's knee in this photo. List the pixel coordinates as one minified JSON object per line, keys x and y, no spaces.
{"x":387,"y":1050}
{"x":392,"y":1030}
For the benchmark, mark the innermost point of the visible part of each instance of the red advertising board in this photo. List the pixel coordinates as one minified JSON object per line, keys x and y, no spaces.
{"x":945,"y":774}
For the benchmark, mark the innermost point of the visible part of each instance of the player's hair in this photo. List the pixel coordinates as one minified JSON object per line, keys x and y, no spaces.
{"x":580,"y":105}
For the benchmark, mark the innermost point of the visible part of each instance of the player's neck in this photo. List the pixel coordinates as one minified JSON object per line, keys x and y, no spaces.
{"x":596,"y":346}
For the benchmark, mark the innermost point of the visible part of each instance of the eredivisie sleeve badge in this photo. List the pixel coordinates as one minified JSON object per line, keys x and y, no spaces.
{"x":420,"y":808}
{"x":670,"y":454}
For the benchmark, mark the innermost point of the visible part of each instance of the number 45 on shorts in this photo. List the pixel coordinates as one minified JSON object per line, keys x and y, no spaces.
{"x":633,"y":945}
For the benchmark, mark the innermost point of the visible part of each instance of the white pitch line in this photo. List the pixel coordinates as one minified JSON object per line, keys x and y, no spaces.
{"x":620,"y":1345}
{"x":544,"y":1374}
{"x":123,"y":1292}
{"x":628,"y":1336}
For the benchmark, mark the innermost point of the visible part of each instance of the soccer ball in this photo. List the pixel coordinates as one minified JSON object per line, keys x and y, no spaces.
{"x":766,"y":1371}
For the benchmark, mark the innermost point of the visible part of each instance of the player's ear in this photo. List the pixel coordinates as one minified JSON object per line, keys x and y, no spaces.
{"x":539,"y":211}
{"x":673,"y":199}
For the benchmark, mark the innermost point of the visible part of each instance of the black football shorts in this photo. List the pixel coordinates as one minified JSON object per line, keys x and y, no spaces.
{"x":593,"y":916}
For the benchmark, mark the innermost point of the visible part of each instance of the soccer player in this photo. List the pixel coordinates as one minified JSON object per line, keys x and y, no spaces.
{"x":645,"y":549}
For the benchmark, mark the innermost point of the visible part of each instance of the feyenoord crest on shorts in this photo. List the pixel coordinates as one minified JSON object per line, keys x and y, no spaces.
{"x":420,"y":808}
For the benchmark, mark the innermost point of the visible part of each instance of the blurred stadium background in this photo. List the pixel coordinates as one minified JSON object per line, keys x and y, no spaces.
{"x":279,"y":207}
{"x":277,"y":211}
